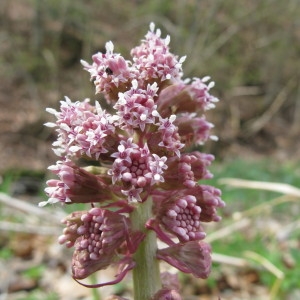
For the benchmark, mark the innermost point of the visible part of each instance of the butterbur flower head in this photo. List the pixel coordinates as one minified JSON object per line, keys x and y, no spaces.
{"x":139,"y":149}
{"x":192,"y":257}
{"x":70,"y":234}
{"x":186,"y":171}
{"x":70,"y":116}
{"x":209,"y":199}
{"x":170,"y":139}
{"x":199,"y":91}
{"x":97,"y":235}
{"x":136,"y":107}
{"x":192,"y":167}
{"x":193,"y":130}
{"x":76,"y":185}
{"x":83,"y":129}
{"x":136,"y":169}
{"x":179,"y":216}
{"x":186,"y":97}
{"x":153,"y":59}
{"x":110,"y":72}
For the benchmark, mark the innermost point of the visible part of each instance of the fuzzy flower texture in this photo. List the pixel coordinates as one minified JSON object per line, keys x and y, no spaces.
{"x":140,"y":149}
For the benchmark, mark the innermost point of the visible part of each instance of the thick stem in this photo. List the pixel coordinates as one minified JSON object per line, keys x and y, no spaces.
{"x":146,"y":274}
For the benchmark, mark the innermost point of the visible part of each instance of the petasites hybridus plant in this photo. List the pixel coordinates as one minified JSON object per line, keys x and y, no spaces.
{"x":142,"y":178}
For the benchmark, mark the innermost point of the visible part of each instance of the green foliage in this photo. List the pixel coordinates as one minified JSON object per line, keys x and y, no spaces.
{"x":260,"y":236}
{"x":5,"y":253}
{"x":38,"y":295}
{"x":28,"y":182}
{"x":6,"y":182}
{"x":35,"y":272}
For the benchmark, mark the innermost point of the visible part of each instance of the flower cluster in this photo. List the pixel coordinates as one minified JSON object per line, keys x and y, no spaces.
{"x":139,"y":150}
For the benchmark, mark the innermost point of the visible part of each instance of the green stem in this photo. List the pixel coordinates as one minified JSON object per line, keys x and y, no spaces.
{"x":146,"y":274}
{"x":95,"y":291}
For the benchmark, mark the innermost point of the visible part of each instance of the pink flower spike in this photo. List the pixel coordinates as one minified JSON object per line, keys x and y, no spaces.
{"x":191,"y":257}
{"x":141,"y":147}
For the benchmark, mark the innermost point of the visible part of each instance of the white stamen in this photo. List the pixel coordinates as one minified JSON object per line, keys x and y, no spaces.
{"x":50,"y":124}
{"x":51,"y":110}
{"x":182,"y":59}
{"x":156,"y":177}
{"x":214,"y":138}
{"x":85,"y":64}
{"x":172,"y":118}
{"x":121,"y":100}
{"x":167,"y":40}
{"x":121,"y":148}
{"x":205,"y":79}
{"x":134,"y":84}
{"x":211,"y":85}
{"x":109,"y":46}
{"x":152,"y":26}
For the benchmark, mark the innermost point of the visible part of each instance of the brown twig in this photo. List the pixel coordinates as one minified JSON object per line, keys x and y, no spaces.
{"x":29,"y":228}
{"x":31,"y":209}
{"x":269,"y":186}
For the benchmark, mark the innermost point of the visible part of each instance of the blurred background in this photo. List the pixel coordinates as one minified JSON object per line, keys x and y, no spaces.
{"x":251,"y":49}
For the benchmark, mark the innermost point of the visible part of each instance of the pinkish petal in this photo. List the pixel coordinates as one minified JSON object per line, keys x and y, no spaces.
{"x":125,"y":265}
{"x":191,"y":257}
{"x":76,"y":185}
{"x":167,"y":294}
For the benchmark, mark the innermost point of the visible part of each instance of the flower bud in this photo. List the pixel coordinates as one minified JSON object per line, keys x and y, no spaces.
{"x":166,"y":294}
{"x":99,"y":237}
{"x":76,"y":185}
{"x":191,"y":257}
